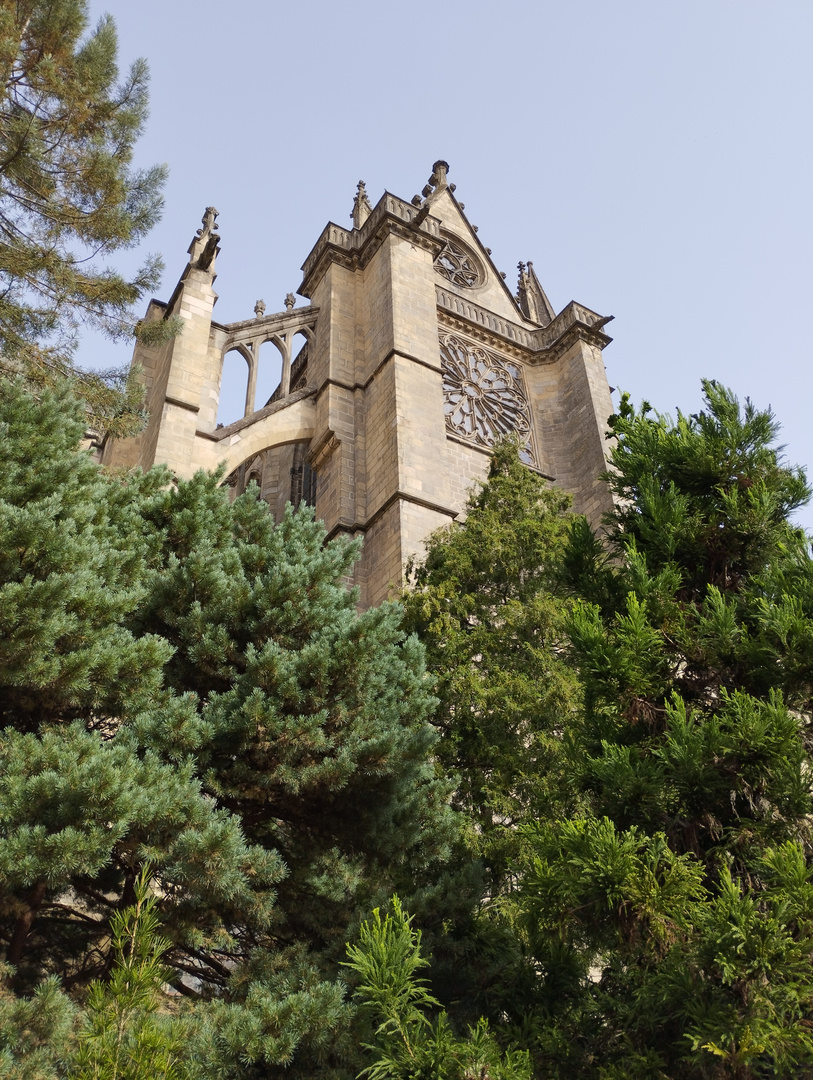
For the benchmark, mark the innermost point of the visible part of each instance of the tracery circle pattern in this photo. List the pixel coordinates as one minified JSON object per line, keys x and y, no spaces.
{"x":484,"y":396}
{"x":458,"y":266}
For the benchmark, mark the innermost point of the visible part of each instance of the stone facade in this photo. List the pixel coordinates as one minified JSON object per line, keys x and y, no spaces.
{"x":414,"y":358}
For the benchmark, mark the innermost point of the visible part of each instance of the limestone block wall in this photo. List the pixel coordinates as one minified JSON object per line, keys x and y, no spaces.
{"x":331,"y":362}
{"x":583,"y":405}
{"x":154,"y":363}
{"x":379,"y":437}
{"x":417,"y":523}
{"x":467,"y":465}
{"x":381,"y":441}
{"x":194,"y":375}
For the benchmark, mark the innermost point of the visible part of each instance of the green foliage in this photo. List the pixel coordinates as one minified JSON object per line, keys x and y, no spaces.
{"x":653,"y":904}
{"x":73,"y":551}
{"x":189,"y":686}
{"x":407,"y":1044}
{"x":69,"y":196}
{"x":707,"y":493}
{"x":35,"y":1032}
{"x":314,"y":715}
{"x":124,"y":1036}
{"x":673,"y":914}
{"x":488,"y":608}
{"x":484,"y":604}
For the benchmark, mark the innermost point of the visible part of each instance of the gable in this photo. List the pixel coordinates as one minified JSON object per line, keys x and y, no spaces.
{"x":466,"y":267}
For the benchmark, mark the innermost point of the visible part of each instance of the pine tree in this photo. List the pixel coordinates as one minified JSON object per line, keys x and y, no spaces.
{"x":124,"y":1035}
{"x":69,"y":196}
{"x":672,"y":916}
{"x":186,"y":685}
{"x":83,"y":797}
{"x":36,"y":1032}
{"x":316,"y":734}
{"x":73,"y":554}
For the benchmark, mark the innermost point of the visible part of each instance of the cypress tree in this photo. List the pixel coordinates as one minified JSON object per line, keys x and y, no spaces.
{"x":489,"y":607}
{"x":487,"y":604}
{"x":672,"y":912}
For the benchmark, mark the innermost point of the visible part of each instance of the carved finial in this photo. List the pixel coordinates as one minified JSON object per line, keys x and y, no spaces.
{"x":203,"y":249}
{"x":209,"y":221}
{"x":361,"y":206}
{"x":533,"y":303}
{"x":259,"y":309}
{"x":521,"y":281}
{"x":438,"y":177}
{"x":290,"y":300}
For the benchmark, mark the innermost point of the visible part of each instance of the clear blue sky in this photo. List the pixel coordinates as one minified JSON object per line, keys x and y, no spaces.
{"x":653,"y":159}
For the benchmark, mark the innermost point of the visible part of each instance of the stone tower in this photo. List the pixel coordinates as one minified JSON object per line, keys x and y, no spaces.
{"x":412,"y":358}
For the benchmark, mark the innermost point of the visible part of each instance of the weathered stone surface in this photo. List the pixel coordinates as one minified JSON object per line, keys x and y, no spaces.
{"x":361,"y":412}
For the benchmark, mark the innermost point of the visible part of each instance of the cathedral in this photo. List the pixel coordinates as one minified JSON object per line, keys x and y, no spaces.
{"x":410,"y":358}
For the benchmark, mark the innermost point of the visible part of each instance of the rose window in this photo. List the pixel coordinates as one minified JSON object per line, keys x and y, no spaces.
{"x":484,"y":396}
{"x":458,"y":266}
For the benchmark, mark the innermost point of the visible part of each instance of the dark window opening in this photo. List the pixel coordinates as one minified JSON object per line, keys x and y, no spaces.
{"x":303,"y":485}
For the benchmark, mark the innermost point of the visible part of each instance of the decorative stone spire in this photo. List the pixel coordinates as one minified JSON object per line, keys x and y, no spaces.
{"x":259,"y":309}
{"x":533,"y":302}
{"x":209,"y":221}
{"x":290,"y":300}
{"x":438,"y":177}
{"x":361,"y":206}
{"x":436,"y":182}
{"x":205,"y":242}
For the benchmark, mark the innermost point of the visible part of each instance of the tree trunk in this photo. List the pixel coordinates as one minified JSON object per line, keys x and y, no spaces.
{"x":24,"y":923}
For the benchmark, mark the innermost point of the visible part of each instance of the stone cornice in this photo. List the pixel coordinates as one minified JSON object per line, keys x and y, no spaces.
{"x":488,"y":332}
{"x":399,"y":353}
{"x":544,"y":344}
{"x":353,"y":248}
{"x":182,"y":404}
{"x":250,"y":330}
{"x":346,"y":525}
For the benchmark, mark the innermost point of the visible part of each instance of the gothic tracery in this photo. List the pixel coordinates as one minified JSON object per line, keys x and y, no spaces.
{"x":458,"y":266}
{"x":484,"y":396}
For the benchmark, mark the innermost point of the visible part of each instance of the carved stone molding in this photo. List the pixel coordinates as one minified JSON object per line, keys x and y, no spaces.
{"x":354,"y":248}
{"x":326,"y":447}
